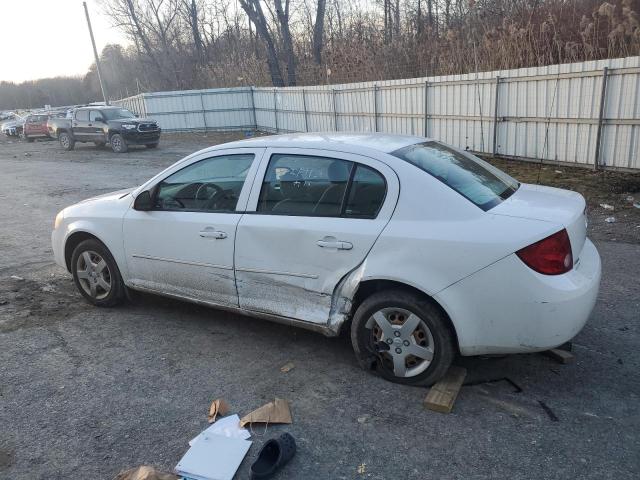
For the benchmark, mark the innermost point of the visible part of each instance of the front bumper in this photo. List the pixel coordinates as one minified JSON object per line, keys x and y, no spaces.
{"x":508,"y":308}
{"x":135,"y":137}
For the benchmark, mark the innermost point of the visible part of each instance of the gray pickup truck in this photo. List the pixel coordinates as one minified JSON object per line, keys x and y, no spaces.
{"x":103,"y":124}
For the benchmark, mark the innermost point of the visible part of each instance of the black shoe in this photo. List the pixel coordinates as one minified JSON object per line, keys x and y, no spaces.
{"x":273,"y":455}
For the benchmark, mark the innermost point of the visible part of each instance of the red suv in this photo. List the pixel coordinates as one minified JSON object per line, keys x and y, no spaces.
{"x":35,"y":126}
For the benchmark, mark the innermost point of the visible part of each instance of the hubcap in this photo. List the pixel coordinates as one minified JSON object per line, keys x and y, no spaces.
{"x":93,"y":274}
{"x":116,"y":143}
{"x":65,"y":141}
{"x":403,"y":341}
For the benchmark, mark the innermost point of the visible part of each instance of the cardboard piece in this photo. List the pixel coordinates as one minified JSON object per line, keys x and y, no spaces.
{"x":273,"y":412}
{"x":218,"y":407}
{"x":213,"y":458}
{"x":145,"y":473}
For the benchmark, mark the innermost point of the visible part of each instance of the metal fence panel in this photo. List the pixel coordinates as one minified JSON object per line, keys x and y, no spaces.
{"x":551,"y":113}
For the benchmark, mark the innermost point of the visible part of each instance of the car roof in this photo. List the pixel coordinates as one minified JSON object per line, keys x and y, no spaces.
{"x":99,"y":107}
{"x":351,"y":142}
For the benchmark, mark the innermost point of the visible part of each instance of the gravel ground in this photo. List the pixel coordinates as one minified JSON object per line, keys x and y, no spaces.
{"x":86,"y":392}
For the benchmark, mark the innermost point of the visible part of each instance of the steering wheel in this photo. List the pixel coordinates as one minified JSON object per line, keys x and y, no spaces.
{"x":209,"y":192}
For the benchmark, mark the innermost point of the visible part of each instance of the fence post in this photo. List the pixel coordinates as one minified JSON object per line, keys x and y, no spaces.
{"x":253,"y":107}
{"x":426,"y":108}
{"x":375,"y":106}
{"x":603,"y":98}
{"x":304,"y":104}
{"x":275,"y":108}
{"x":495,"y":118}
{"x":335,"y":111}
{"x":204,"y":114}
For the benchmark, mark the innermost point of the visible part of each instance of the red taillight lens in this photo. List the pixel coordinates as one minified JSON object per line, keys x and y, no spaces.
{"x":550,"y":256}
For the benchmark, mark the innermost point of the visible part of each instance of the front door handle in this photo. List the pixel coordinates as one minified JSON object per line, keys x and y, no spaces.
{"x":331,"y":242}
{"x":210,"y":232}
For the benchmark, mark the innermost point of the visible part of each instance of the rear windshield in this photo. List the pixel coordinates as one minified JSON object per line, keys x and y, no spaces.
{"x":471,"y":177}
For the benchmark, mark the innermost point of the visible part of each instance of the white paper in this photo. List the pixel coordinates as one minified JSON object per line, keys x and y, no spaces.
{"x":227,"y":427}
{"x":213,"y":457}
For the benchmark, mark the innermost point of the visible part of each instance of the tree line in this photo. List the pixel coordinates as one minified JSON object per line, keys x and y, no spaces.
{"x":188,"y":44}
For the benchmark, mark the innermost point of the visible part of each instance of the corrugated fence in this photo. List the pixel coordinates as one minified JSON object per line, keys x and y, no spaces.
{"x":580,"y":113}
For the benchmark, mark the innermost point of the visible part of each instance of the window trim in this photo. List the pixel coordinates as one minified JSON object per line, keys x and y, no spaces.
{"x":345,"y":198}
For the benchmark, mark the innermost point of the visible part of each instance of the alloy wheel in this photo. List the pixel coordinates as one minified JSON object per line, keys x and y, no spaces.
{"x":93,"y":275}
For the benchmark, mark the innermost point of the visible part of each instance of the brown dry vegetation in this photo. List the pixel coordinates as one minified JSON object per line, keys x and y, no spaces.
{"x":183,"y":44}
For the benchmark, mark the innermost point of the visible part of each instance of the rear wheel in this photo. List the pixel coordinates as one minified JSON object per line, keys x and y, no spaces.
{"x":118,"y":145}
{"x":403,"y":337}
{"x":66,"y":141}
{"x":29,"y":139}
{"x":96,"y":274}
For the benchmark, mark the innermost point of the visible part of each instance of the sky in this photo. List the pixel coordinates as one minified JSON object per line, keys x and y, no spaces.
{"x":48,"y":38}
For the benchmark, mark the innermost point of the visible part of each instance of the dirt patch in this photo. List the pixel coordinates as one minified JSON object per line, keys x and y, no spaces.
{"x":619,"y":190}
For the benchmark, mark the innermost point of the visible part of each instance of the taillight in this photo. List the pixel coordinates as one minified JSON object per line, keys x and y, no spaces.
{"x":550,"y":256}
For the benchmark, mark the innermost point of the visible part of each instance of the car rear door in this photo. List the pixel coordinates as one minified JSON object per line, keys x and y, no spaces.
{"x":312,"y":217}
{"x":80,"y":126}
{"x":185,"y":245}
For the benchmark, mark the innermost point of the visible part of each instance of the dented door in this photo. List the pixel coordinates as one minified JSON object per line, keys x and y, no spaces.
{"x":290,"y":252}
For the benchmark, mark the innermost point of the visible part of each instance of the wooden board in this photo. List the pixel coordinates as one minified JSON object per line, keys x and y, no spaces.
{"x":561,"y":356}
{"x":443,"y":394}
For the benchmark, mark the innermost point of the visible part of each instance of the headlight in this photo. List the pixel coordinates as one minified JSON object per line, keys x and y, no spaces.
{"x":129,"y":126}
{"x":58,"y":220}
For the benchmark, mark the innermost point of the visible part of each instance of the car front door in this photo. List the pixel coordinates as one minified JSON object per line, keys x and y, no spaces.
{"x":312,"y":217}
{"x":95,"y":131}
{"x":80,"y":126}
{"x":184,"y":246}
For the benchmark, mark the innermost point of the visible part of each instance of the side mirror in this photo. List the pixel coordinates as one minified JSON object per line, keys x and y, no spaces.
{"x":100,"y":120}
{"x":143,"y":202}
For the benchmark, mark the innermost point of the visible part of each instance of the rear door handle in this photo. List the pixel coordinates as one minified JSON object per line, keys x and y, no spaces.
{"x":210,"y":232}
{"x":337,"y":244}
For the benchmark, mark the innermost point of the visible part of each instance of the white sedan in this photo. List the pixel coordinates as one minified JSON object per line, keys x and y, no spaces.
{"x":423,"y":250}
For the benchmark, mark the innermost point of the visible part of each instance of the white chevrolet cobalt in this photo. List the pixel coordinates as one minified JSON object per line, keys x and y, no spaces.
{"x":425,"y":251}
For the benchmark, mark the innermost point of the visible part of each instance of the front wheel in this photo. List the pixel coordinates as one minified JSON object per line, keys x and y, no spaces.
{"x":66,"y":141}
{"x":403,"y":337}
{"x":96,"y":274}
{"x":29,"y":139}
{"x":118,"y":145}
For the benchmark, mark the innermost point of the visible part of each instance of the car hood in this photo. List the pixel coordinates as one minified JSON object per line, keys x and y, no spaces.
{"x":108,"y":197}
{"x":12,"y":123}
{"x":562,"y":207}
{"x":132,"y":120}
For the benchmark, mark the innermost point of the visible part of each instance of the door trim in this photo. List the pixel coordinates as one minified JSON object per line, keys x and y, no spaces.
{"x":183,"y":262}
{"x":274,"y":272}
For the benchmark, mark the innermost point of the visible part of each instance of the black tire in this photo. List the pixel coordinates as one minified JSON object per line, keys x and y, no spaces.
{"x":151,"y":145}
{"x":28,"y":139}
{"x":100,"y":144}
{"x":379,"y":357}
{"x":66,"y":140}
{"x":96,"y":250}
{"x":118,"y":145}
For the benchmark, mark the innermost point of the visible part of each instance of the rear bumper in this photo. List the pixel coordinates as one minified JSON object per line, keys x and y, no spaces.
{"x":508,"y":308}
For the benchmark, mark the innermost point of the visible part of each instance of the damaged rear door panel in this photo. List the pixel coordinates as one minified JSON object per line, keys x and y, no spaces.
{"x":295,"y":243}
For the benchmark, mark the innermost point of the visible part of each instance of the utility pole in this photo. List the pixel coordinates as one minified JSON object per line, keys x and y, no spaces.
{"x":95,"y":54}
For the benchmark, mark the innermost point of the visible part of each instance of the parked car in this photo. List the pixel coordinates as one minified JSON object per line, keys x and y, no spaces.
{"x":35,"y":126}
{"x":424,"y":250}
{"x":101,"y":125}
{"x":13,"y":126}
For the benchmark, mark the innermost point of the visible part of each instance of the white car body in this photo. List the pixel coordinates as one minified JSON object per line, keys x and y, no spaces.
{"x":426,"y":236}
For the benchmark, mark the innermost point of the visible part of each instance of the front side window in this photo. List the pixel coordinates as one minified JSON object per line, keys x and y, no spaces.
{"x":313,"y":186}
{"x":473,"y":178}
{"x":211,"y":185}
{"x":115,"y":113}
{"x":95,"y":115}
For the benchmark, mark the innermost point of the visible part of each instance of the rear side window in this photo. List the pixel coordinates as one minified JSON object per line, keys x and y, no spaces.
{"x":473,"y":178}
{"x":366,"y":193}
{"x":320,"y":187}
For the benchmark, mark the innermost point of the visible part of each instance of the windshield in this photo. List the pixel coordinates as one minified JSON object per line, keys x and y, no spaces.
{"x":115,"y":113}
{"x":471,"y":177}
